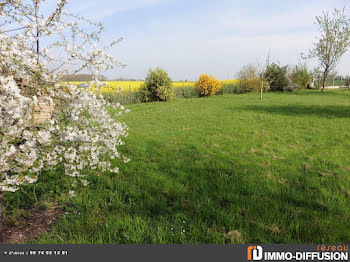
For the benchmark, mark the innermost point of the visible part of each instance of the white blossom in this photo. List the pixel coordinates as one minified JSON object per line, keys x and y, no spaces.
{"x":80,"y":134}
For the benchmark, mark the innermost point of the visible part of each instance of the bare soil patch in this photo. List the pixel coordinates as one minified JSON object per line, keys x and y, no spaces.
{"x":23,"y":228}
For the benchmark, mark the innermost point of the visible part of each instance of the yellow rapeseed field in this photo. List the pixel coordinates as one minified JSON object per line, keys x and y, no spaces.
{"x":230,"y":81}
{"x":114,"y":86}
{"x":131,"y":86}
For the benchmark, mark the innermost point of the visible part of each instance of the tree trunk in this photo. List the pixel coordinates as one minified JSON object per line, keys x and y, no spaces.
{"x":2,"y":215}
{"x":323,"y":84}
{"x":37,"y":33}
{"x":325,"y":76}
{"x":2,"y":208}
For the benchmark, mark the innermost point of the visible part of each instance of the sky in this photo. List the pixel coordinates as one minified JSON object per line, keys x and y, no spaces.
{"x":191,"y":37}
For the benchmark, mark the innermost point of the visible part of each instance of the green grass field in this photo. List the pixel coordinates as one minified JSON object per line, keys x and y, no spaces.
{"x":224,"y":169}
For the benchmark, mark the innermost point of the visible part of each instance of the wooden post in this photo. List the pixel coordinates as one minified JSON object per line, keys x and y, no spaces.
{"x":43,"y":110}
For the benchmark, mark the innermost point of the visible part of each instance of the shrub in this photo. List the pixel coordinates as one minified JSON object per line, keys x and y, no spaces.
{"x":301,"y":76}
{"x":277,"y":77}
{"x":253,"y":85}
{"x":250,"y":80}
{"x":157,"y":87}
{"x":207,"y":85}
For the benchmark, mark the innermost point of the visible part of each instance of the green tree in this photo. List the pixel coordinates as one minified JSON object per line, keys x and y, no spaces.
{"x":158,"y":86}
{"x":301,"y":76}
{"x":278,"y":77}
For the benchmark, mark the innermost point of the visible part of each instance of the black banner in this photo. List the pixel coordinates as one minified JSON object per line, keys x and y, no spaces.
{"x":154,"y":253}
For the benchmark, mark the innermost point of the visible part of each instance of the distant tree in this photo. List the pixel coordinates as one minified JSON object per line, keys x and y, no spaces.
{"x":126,"y":79}
{"x":347,"y":83}
{"x":331,"y":77}
{"x":265,"y":80}
{"x":83,"y":78}
{"x":333,"y":41}
{"x":301,"y":76}
{"x":277,"y":75}
{"x":249,"y":71}
{"x":250,"y":79}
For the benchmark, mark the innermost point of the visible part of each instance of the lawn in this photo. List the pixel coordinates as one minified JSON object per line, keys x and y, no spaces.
{"x":223,"y":169}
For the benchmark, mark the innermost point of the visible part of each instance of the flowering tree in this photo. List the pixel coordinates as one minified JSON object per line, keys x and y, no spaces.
{"x":44,"y":122}
{"x":333,"y":41}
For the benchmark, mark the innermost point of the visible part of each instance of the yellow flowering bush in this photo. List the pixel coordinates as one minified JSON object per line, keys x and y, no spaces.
{"x":207,"y":85}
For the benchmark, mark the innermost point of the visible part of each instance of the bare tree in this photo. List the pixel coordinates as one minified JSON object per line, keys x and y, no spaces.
{"x":333,"y":41}
{"x":249,"y":77}
{"x":266,"y":79}
{"x":248,"y":72}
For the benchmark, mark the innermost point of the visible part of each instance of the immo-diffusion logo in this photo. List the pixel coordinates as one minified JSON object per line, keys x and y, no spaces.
{"x":255,"y":253}
{"x":333,"y":253}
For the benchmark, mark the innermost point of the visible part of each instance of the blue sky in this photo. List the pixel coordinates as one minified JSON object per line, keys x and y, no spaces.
{"x":191,"y":37}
